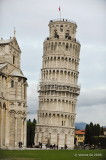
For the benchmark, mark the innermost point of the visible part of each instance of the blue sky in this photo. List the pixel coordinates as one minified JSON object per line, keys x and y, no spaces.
{"x":31,"y":18}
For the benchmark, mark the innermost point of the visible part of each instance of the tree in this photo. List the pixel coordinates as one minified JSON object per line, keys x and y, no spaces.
{"x":92,"y":131}
{"x":34,"y":120}
{"x":101,"y":131}
{"x":30,"y":132}
{"x":95,"y":128}
{"x":98,"y":129}
{"x":87,"y":134}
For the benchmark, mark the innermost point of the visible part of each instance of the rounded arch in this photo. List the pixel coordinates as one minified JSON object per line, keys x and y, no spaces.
{"x":62,"y":58}
{"x":54,"y":58}
{"x":70,"y":45}
{"x":0,"y":105}
{"x":74,"y":46}
{"x":12,"y":83}
{"x":65,"y":58}
{"x":12,"y":111}
{"x":4,"y":106}
{"x":19,"y":112}
{"x":58,"y":58}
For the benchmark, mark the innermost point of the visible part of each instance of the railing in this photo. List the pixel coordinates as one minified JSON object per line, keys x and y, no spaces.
{"x":60,"y":83}
{"x":62,"y":19}
{"x":59,"y":87}
{"x":72,"y":39}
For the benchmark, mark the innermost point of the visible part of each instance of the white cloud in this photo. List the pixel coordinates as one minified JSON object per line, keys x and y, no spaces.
{"x":32,"y":97}
{"x":94,"y":113}
{"x":94,"y":96}
{"x":31,"y":20}
{"x":31,"y":116}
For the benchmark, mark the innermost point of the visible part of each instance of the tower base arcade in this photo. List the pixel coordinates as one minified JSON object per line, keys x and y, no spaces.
{"x":60,"y":137}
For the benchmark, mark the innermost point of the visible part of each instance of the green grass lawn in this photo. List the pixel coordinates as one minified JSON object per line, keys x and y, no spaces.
{"x":53,"y":155}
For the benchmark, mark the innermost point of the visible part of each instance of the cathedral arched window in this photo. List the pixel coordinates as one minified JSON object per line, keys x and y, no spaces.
{"x":61,"y":28}
{"x":66,"y":46}
{"x":13,"y":59}
{"x":55,"y":34}
{"x":67,"y":34}
{"x":12,"y":84}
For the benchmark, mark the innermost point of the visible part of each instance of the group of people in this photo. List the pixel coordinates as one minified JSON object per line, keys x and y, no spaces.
{"x":52,"y":146}
{"x":20,"y":144}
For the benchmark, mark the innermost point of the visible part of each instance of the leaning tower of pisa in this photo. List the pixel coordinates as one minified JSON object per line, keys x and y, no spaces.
{"x":58,"y":88}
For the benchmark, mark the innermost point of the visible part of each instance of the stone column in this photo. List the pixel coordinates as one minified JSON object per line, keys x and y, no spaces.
{"x":7,"y":129}
{"x":50,"y":119}
{"x":51,"y":74}
{"x":4,"y":125}
{"x":42,"y":137}
{"x":58,"y":139}
{"x":56,"y":61}
{"x":16,"y":90}
{"x":16,"y":143}
{"x":50,"y":138}
{"x":1,"y":127}
{"x":55,"y":75}
{"x":37,"y":136}
{"x":25,"y":132}
{"x":25,"y":91}
{"x":67,"y":63}
{"x":59,"y":76}
{"x":65,"y":142}
{"x":22,"y":130}
{"x":22,"y":91}
{"x":48,"y":75}
{"x":49,"y":63}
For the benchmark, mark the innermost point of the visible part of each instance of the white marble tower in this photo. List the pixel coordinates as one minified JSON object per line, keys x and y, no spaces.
{"x":58,"y":88}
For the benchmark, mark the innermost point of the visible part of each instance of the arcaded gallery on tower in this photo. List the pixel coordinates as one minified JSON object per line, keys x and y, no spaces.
{"x":58,"y":88}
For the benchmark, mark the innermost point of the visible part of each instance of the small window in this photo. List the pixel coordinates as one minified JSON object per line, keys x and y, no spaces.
{"x":13,"y":59}
{"x":67,"y":34}
{"x":64,"y":123}
{"x":61,"y":28}
{"x":55,"y":34}
{"x":12,"y":84}
{"x":66,"y":46}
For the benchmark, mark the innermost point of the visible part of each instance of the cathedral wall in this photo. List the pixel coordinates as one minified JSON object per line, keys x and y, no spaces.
{"x":13,"y":96}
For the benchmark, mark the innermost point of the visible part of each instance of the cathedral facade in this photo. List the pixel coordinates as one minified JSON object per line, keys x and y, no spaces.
{"x":58,"y":89}
{"x":13,"y":96}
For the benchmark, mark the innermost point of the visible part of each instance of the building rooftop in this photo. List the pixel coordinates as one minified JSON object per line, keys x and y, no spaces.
{"x":16,"y":73}
{"x":80,"y":132}
{"x":2,"y":65}
{"x":5,"y":41}
{"x":62,"y":20}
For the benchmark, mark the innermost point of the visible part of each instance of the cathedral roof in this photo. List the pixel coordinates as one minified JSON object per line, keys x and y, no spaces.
{"x":9,"y":41}
{"x":17,"y":73}
{"x":2,"y":65}
{"x":2,"y":41}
